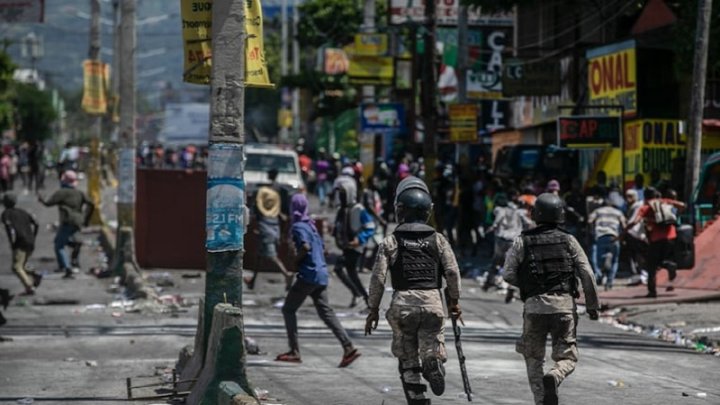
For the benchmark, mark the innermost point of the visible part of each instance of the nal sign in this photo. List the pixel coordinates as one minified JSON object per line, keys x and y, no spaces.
{"x":612,"y":77}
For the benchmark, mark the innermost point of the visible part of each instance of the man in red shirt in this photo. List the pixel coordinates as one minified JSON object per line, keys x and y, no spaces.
{"x":660,"y":236}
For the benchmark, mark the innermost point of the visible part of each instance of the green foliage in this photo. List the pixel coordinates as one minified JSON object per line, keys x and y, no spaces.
{"x":7,"y":68}
{"x":684,"y":38}
{"x":334,"y":22}
{"x":36,"y":112}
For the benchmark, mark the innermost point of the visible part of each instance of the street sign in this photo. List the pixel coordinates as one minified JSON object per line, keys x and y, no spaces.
{"x":589,"y":132}
{"x":528,"y":78}
{"x":463,"y":122}
{"x":371,"y":44}
{"x":612,"y":77}
{"x":413,"y":12}
{"x":382,"y":118}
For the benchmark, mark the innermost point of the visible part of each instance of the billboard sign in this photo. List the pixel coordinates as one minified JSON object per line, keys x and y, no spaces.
{"x":413,"y":12}
{"x":486,"y":47}
{"x":26,"y":11}
{"x":382,"y":118}
{"x":528,"y":78}
{"x":588,"y":132}
{"x":371,"y":44}
{"x":371,"y":70}
{"x":612,"y":77}
{"x":463,"y":122}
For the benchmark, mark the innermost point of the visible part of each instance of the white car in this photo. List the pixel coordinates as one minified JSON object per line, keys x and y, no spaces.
{"x":260,"y":158}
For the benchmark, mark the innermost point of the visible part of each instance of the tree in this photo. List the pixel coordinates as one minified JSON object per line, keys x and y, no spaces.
{"x":36,"y":112}
{"x":7,"y":68}
{"x":334,"y":22}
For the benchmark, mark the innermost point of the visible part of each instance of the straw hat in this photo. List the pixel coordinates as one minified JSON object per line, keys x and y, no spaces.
{"x":268,"y":202}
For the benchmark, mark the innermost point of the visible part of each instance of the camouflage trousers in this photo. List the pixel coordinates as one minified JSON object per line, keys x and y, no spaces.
{"x":562,"y":330}
{"x":418,"y":336}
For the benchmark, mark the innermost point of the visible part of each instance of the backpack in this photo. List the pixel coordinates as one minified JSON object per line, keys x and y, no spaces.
{"x":664,"y":214}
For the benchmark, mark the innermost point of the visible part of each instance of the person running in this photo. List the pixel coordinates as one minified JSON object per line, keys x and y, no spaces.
{"x":608,"y":224}
{"x":311,"y":281}
{"x":416,"y":258}
{"x":660,"y":224}
{"x":545,"y":263}
{"x":268,"y":212}
{"x":75,"y":210}
{"x":5,"y":298}
{"x":509,"y":222}
{"x":353,"y":228}
{"x":21,"y":230}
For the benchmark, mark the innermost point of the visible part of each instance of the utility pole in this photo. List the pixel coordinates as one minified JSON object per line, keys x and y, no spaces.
{"x":283,"y":57}
{"x":429,"y":90}
{"x":124,"y":250}
{"x":114,"y":76}
{"x":296,"y":72}
{"x":697,"y":95}
{"x":93,"y":186}
{"x":225,"y":211}
{"x":462,"y":60}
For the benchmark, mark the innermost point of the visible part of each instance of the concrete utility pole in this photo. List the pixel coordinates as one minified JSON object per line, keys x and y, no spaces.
{"x":93,"y":186}
{"x":429,"y":91}
{"x":115,"y":70}
{"x":462,"y":60}
{"x":697,"y":95}
{"x":124,"y":251}
{"x":296,"y":71}
{"x":223,"y":342}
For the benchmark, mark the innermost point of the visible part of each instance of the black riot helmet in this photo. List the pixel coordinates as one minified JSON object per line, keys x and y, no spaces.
{"x":549,"y":209}
{"x":412,"y":201}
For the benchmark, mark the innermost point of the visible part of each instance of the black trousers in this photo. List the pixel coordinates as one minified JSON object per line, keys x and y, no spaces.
{"x":346,"y":269}
{"x":658,"y":252}
{"x":294,"y":299}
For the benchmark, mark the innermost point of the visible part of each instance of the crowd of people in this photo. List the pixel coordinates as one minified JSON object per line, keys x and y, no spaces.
{"x":157,"y":156}
{"x":26,"y":162}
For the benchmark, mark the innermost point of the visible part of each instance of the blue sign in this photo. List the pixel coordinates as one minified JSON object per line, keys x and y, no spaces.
{"x":224,"y":218}
{"x":382,"y":118}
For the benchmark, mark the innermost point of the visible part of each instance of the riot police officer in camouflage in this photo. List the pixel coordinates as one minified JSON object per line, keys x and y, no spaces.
{"x":417,"y":259}
{"x":546,"y":263}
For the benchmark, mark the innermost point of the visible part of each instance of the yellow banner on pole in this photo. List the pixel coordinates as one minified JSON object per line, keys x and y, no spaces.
{"x":197,"y":29}
{"x":95,"y":75}
{"x":197,"y":37}
{"x":256,"y":73}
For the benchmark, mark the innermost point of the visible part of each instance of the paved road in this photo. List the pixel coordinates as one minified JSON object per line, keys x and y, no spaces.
{"x":46,"y":359}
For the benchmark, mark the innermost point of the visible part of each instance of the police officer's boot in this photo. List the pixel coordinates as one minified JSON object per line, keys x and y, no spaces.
{"x":550,"y":387}
{"x":414,"y":392}
{"x":434,"y":373}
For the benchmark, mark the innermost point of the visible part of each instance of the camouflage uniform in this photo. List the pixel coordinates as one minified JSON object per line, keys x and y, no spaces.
{"x":417,"y":317}
{"x":553,"y":313}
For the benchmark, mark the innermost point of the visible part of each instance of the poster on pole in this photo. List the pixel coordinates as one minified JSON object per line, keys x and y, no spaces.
{"x":197,"y":40}
{"x":224,"y":218}
{"x":196,"y":30}
{"x":26,"y":11}
{"x":463,"y":122}
{"x":95,"y":84}
{"x":256,"y":72}
{"x":126,"y":176}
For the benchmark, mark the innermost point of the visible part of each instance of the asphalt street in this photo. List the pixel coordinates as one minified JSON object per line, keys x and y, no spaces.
{"x":81,"y":352}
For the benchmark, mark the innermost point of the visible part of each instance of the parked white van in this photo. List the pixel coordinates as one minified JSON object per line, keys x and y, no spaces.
{"x":260,"y":158}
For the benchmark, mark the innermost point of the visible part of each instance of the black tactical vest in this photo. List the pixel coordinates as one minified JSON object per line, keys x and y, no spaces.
{"x":547,"y":266}
{"x":417,"y":266}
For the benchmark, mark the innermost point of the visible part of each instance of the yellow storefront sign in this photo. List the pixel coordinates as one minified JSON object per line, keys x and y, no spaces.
{"x":371,"y":44}
{"x":376,"y":70}
{"x":197,"y":40}
{"x":95,"y":78}
{"x":655,"y":145}
{"x":463,"y":122}
{"x":612,"y":77}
